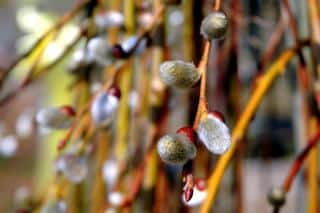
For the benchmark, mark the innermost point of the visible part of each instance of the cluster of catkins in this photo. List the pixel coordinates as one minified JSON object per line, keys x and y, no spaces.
{"x":178,"y":148}
{"x":89,"y":62}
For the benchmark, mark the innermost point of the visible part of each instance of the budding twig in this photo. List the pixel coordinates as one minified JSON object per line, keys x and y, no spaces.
{"x":203,"y":67}
{"x":113,"y":73}
{"x":203,"y":105}
{"x":295,"y":168}
{"x":239,"y":130}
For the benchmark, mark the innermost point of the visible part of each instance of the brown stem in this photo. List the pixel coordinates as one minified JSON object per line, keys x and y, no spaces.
{"x":202,"y":67}
{"x":299,"y":161}
{"x":217,"y":5}
{"x":272,"y":45}
{"x":294,"y":28}
{"x":276,"y":209}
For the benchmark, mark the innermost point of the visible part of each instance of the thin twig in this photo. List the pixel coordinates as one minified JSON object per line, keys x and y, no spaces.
{"x":272,"y":45}
{"x":295,"y":168}
{"x":203,"y":67}
{"x":303,"y":82}
{"x":217,"y":5}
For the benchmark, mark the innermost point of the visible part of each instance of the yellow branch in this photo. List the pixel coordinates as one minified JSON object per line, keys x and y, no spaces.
{"x":125,"y":87}
{"x":312,"y":180}
{"x":241,"y":126}
{"x":312,"y":190}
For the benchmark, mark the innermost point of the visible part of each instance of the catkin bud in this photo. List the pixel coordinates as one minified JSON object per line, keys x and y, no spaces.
{"x":199,"y":194}
{"x":214,"y":133}
{"x":128,"y":44}
{"x":54,"y":206}
{"x":277,"y":196}
{"x":24,"y":124}
{"x":8,"y":146}
{"x":55,"y":117}
{"x":215,"y":25}
{"x":100,"y":51}
{"x":110,"y":172}
{"x":73,"y":167}
{"x":79,"y":61}
{"x":179,"y":74}
{"x":109,"y":19}
{"x":104,"y":107}
{"x":188,"y":132}
{"x":116,"y":198}
{"x":22,"y":196}
{"x":145,"y":19}
{"x":176,"y":149}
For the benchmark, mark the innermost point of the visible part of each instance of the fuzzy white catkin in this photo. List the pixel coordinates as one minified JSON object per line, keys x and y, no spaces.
{"x":277,"y":196}
{"x":179,"y":74}
{"x":100,"y":51}
{"x":74,"y":168}
{"x":110,"y":210}
{"x":108,"y":19}
{"x":215,"y":25}
{"x":24,"y":125}
{"x":104,"y":108}
{"x":115,"y":198}
{"x":176,"y":149}
{"x":110,"y":172}
{"x":79,"y":59}
{"x":176,"y":18}
{"x":214,"y":134}
{"x":197,"y":198}
{"x":22,"y":194}
{"x":8,"y":146}
{"x":53,"y":118}
{"x":54,"y":206}
{"x":144,"y":19}
{"x":130,"y":43}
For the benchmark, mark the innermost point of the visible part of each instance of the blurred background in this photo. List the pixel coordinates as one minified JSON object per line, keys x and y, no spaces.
{"x":26,"y":151}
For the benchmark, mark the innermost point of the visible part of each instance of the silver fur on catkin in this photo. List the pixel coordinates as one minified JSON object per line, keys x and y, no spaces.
{"x":176,"y":149}
{"x":179,"y":74}
{"x":215,"y":25}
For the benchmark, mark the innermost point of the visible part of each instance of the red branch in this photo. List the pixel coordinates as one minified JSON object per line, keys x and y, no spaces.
{"x":299,"y":161}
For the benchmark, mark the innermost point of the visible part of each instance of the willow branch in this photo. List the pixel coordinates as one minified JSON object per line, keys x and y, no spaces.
{"x":314,"y":16}
{"x":112,"y":74}
{"x":58,"y":25}
{"x":296,"y":166}
{"x":241,"y":126}
{"x":203,"y":68}
{"x":31,"y":78}
{"x":272,"y":44}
